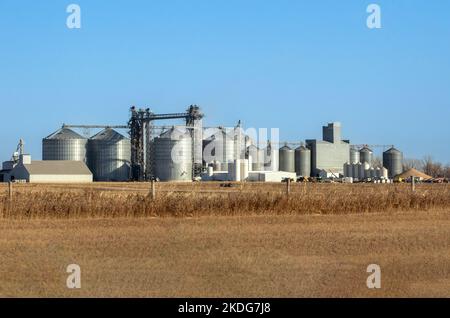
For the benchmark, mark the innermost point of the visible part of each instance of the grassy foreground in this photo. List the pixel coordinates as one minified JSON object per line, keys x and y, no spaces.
{"x":265,"y":256}
{"x":209,"y":199}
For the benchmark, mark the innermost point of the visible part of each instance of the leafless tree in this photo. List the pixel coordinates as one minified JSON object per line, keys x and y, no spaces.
{"x":432,"y":168}
{"x":412,"y":164}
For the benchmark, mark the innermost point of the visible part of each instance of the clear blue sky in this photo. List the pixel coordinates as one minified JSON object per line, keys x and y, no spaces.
{"x":290,"y":64}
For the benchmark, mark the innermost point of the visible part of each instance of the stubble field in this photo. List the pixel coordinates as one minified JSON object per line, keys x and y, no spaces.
{"x":314,"y":243}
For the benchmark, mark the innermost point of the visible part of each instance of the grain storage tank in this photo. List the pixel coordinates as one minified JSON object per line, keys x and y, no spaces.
{"x":366,"y":155}
{"x":393,"y":162}
{"x":109,"y":156}
{"x":384,"y":173}
{"x":378,"y":173}
{"x":287,"y":159}
{"x":348,"y":170}
{"x":257,"y":156}
{"x":366,"y":169}
{"x":220,"y":146}
{"x":303,"y":161}
{"x":354,"y":155}
{"x":271,"y":158}
{"x":65,"y":144}
{"x":173,"y":155}
{"x":356,"y":171}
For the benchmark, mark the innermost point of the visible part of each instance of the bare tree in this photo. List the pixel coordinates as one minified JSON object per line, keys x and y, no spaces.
{"x":432,"y":168}
{"x":412,"y":164}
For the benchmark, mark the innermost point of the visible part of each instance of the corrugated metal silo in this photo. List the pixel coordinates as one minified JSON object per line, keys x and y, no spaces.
{"x":287,"y":159}
{"x":354,"y":155}
{"x":303,"y":161}
{"x":109,"y":156}
{"x":366,"y":155}
{"x":348,"y":170}
{"x":173,"y":155}
{"x":220,"y":146}
{"x":65,"y":144}
{"x":271,"y":158}
{"x":393,"y":162}
{"x":257,"y":156}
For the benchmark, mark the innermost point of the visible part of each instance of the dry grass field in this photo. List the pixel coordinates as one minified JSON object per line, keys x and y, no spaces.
{"x":317,"y":242}
{"x":209,"y":199}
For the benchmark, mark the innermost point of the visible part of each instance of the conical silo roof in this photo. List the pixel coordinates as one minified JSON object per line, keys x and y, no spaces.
{"x":392,"y":150}
{"x":109,"y":134}
{"x":64,"y":134}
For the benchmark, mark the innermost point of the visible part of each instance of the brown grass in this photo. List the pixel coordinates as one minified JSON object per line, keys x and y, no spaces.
{"x":208,"y":199}
{"x":266,"y":256}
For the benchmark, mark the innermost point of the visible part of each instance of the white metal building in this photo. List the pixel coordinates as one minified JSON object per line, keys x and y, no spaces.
{"x":50,"y":171}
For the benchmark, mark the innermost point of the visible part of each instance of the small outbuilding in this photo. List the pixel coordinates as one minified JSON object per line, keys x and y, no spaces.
{"x":50,"y":171}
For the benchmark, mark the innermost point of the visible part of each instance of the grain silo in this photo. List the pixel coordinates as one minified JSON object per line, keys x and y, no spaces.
{"x":109,"y":156}
{"x":257,"y":157}
{"x":220,"y":146}
{"x":65,"y":144}
{"x":172,"y":152}
{"x":354,"y":155}
{"x":366,"y":155}
{"x":393,"y":162}
{"x":303,"y":161}
{"x":287,"y":159}
{"x":271,"y":158}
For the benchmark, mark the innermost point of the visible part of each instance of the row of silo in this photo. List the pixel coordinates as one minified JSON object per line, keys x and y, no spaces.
{"x":363,"y":171}
{"x":107,"y":154}
{"x":298,"y":160}
{"x":392,"y":159}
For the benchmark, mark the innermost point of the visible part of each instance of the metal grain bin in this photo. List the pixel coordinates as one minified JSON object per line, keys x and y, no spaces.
{"x":109,"y":156}
{"x":366,"y":155}
{"x":393,"y":162}
{"x":257,"y":156}
{"x":303,"y":161}
{"x":354,"y":155}
{"x":65,"y":144}
{"x":271,"y":158}
{"x":173,"y":155}
{"x":220,"y":146}
{"x":287,"y":159}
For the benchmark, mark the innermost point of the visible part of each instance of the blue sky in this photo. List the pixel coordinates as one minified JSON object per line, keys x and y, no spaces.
{"x":294,"y":64}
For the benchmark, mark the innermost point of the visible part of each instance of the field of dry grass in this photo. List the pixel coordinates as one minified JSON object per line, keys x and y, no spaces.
{"x":209,"y":199}
{"x":201,"y":240}
{"x":267,"y":256}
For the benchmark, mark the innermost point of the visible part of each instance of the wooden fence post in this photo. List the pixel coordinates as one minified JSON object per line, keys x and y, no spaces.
{"x":153,"y":189}
{"x":413,"y":184}
{"x":288,"y":186}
